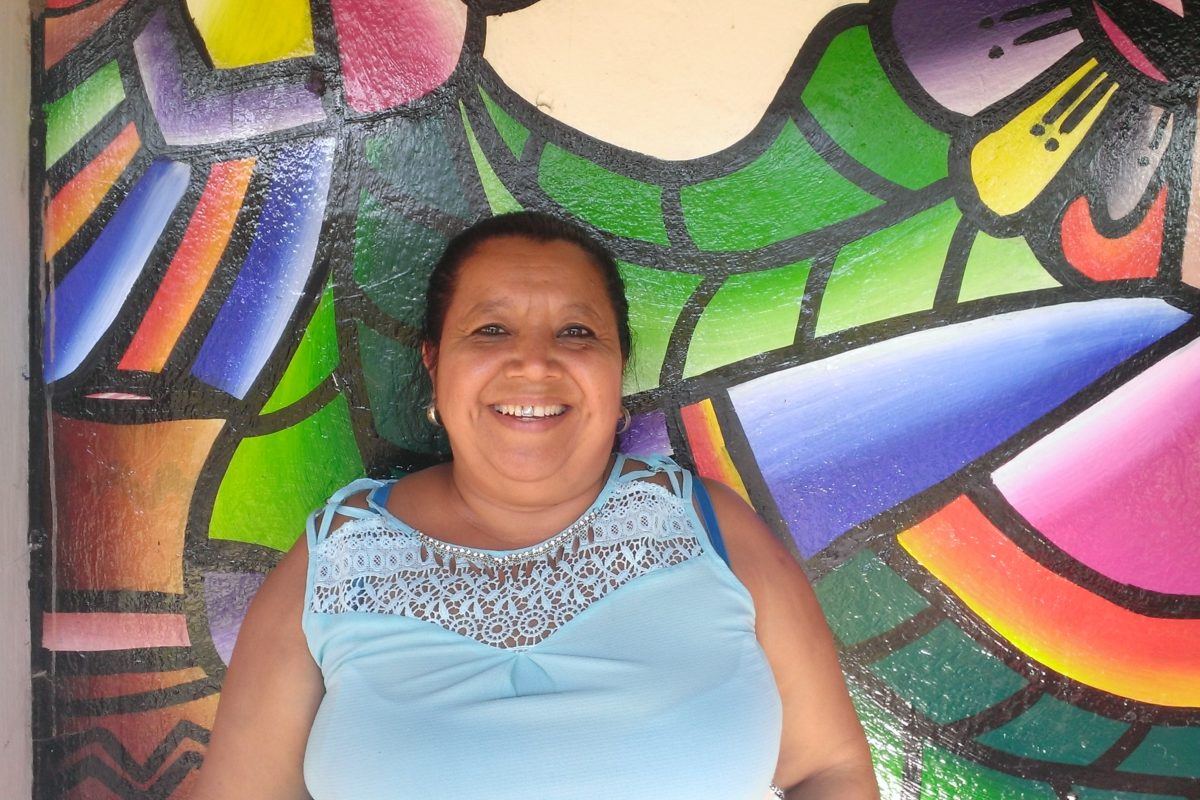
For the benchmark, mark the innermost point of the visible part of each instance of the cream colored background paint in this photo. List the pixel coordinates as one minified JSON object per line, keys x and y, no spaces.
{"x":16,"y":754}
{"x":675,"y":79}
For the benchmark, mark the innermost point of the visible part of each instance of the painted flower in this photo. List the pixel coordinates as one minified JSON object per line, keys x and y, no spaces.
{"x":1074,"y":123}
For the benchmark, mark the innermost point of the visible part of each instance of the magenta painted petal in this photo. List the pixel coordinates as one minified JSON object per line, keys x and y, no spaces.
{"x":396,"y":51}
{"x":1127,"y":162}
{"x":966,"y":54}
{"x":1116,"y":487}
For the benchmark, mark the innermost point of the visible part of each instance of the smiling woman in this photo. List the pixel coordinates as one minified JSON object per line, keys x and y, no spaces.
{"x":540,"y":616}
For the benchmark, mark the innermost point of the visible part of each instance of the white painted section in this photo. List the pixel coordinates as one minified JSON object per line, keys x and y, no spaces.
{"x":675,"y":79}
{"x":16,"y":754}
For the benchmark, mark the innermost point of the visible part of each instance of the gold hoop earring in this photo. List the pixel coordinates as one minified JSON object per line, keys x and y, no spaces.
{"x":625,"y":422}
{"x":431,"y":414}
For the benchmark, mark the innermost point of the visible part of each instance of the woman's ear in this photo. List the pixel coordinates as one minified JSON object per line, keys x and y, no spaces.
{"x":429,"y":359}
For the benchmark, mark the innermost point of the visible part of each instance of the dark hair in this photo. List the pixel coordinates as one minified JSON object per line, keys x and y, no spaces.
{"x":529,"y":225}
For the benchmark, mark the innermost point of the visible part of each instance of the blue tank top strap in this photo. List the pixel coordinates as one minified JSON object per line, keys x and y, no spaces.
{"x":710,"y":521}
{"x":320,"y":521}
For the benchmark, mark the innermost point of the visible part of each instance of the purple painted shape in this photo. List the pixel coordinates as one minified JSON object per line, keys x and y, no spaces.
{"x":841,"y":440}
{"x":1118,"y":487}
{"x":647,"y":435}
{"x":83,"y":306}
{"x":275,"y":271}
{"x":963,"y":52}
{"x":227,"y":596}
{"x":214,"y":116}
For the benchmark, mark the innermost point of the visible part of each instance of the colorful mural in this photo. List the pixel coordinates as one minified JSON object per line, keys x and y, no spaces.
{"x":932,"y":312}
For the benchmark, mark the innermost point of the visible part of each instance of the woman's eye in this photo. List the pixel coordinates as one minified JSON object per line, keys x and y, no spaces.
{"x":489,"y":330}
{"x":577,"y":331}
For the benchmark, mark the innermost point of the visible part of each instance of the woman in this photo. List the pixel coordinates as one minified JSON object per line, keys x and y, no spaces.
{"x":539,"y":617}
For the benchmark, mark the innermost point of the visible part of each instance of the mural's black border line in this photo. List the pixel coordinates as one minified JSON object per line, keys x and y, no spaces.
{"x":132,"y":771}
{"x":1147,"y":602}
{"x":950,"y":284}
{"x":112,"y":662}
{"x":118,"y":601}
{"x":180,"y":693}
{"x":810,"y":301}
{"x":884,"y":644}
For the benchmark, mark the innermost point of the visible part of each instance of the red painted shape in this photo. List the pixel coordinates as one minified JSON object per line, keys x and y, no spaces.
{"x":63,"y":34}
{"x":396,"y":51}
{"x":1134,"y":255}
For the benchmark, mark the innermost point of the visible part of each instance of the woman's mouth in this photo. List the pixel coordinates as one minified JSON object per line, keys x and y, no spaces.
{"x":529,"y":411}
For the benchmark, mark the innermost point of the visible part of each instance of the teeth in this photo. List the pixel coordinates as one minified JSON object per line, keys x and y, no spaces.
{"x":530,"y":411}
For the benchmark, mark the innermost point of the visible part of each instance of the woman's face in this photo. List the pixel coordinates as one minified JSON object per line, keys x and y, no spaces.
{"x":527,"y":374}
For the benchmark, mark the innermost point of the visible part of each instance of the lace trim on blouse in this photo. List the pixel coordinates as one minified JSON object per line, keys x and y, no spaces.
{"x":509,"y":601}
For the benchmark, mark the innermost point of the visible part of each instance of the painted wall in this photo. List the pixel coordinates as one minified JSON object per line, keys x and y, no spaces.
{"x":917,"y":277}
{"x":16,"y":748}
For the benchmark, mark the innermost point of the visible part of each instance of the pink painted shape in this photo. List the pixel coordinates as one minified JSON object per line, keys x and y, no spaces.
{"x":396,"y":51}
{"x":1125,"y":45}
{"x":1118,"y":487}
{"x":1172,"y":5}
{"x":109,"y":631}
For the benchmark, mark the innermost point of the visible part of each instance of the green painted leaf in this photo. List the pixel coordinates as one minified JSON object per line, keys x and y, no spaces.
{"x":274,"y":481}
{"x":856,"y":104}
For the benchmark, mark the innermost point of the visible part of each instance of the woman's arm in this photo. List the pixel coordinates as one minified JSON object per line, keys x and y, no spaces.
{"x":823,"y":753}
{"x":269,"y":699}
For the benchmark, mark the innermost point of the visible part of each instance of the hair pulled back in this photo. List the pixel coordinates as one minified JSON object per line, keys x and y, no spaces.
{"x":528,"y":225}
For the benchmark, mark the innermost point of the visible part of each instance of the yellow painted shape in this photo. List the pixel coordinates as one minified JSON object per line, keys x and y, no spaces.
{"x":238,"y":33}
{"x":1012,"y":166}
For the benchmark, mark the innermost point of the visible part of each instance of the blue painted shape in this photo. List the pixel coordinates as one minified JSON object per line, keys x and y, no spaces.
{"x":843,"y":439}
{"x":275,"y":271}
{"x":85,"y":303}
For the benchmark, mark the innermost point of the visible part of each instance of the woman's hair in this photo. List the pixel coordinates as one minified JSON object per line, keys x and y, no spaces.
{"x":529,"y":225}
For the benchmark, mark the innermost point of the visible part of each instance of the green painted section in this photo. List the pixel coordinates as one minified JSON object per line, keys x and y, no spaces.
{"x":499,"y":198}
{"x":854,"y":101}
{"x":274,"y":481}
{"x":390,"y":371}
{"x":655,"y":299}
{"x":606,"y":199}
{"x":512,"y":132}
{"x":314,"y":359}
{"x":947,"y":676}
{"x":750,"y":314}
{"x":1085,"y":793}
{"x":392,"y":259}
{"x":892,"y":272}
{"x":413,"y":156}
{"x":1167,"y":751}
{"x":948,"y":777}
{"x":1052,"y":730}
{"x":885,"y":735}
{"x":69,"y":118}
{"x":787,"y":191}
{"x":864,"y":598}
{"x":1002,"y":266}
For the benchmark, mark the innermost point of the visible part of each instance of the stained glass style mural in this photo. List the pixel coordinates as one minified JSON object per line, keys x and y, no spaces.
{"x":934,"y":316}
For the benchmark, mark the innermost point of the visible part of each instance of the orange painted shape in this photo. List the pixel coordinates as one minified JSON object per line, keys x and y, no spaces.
{"x":1134,"y":255}
{"x":122,"y":499}
{"x":81,"y":196}
{"x":64,"y":33}
{"x":709,"y":453}
{"x":190,"y":270}
{"x":1054,"y":621}
{"x":106,"y":630}
{"x":95,"y":687}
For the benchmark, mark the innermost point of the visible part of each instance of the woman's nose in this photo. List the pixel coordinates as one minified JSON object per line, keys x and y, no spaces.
{"x":533,"y":358}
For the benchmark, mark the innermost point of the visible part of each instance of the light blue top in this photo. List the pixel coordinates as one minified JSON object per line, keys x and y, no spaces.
{"x":617,"y":659}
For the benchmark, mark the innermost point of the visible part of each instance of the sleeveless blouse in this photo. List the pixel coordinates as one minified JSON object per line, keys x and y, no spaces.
{"x":616,"y":659}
